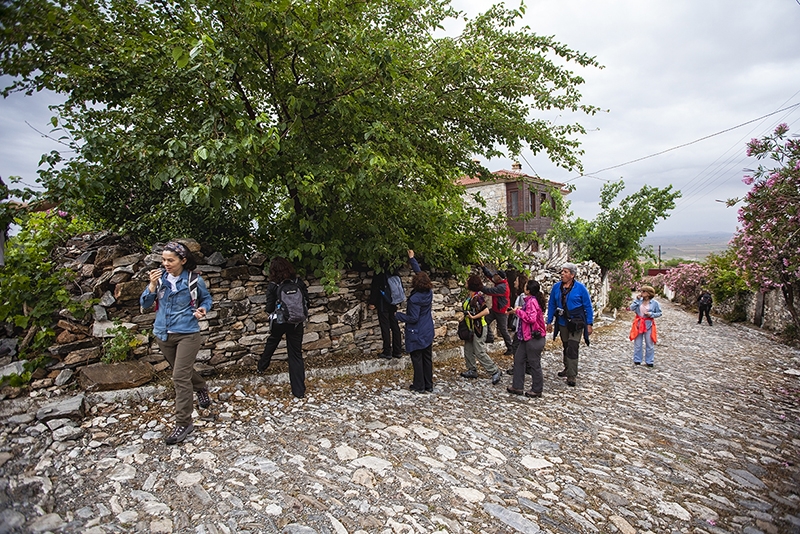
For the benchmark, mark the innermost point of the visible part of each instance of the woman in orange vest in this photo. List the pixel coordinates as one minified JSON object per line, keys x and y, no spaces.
{"x":643,"y":330}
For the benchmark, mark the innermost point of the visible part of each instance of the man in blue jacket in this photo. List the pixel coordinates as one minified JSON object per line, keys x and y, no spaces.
{"x":571,"y":305}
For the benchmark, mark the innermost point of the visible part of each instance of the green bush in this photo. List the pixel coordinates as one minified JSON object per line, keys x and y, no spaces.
{"x":621,"y":282}
{"x":619,"y":297}
{"x":119,"y":347}
{"x":725,"y":281}
{"x":32,"y":289}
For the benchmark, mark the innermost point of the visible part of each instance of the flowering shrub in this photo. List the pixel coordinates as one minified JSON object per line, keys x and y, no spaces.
{"x":686,"y":280}
{"x":657,"y":282}
{"x":621,"y":281}
{"x":768,"y":240}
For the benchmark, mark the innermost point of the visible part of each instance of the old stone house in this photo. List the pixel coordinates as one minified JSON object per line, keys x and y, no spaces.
{"x":516,"y":194}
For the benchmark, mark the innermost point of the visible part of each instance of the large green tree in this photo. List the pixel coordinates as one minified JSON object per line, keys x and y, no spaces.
{"x":616,"y":234}
{"x":329,"y":131}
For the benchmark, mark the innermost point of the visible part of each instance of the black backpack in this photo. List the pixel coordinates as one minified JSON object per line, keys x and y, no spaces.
{"x":291,"y":306}
{"x":705,"y":299}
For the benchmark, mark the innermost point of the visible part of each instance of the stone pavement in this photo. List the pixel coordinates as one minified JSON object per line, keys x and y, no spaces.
{"x":707,"y":441}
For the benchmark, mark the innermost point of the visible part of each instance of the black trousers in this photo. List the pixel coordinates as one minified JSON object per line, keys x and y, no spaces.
{"x":422,"y":361}
{"x":704,"y":310}
{"x":390,"y":330}
{"x":294,"y":347}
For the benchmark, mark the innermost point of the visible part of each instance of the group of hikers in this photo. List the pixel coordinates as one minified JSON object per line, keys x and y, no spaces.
{"x":181,"y":299}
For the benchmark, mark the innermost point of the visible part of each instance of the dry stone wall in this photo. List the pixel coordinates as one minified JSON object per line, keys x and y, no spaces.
{"x":774,"y":312}
{"x":112,"y":271}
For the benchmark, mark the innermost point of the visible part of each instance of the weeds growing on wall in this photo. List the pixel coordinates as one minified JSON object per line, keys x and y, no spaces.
{"x":32,"y":288}
{"x":118,"y":347}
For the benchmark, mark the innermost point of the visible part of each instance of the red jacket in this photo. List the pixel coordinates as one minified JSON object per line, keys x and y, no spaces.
{"x":639,"y":327}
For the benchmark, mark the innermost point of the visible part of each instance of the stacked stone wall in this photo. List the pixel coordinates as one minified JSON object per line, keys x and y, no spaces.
{"x":775,"y":313}
{"x":112,"y":271}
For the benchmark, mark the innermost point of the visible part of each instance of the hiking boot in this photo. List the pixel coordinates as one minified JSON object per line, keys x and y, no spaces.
{"x":203,"y":399}
{"x":563,"y":373}
{"x":472,"y":373}
{"x":496,"y":377}
{"x":179,"y":434}
{"x":514,"y":391}
{"x":571,"y":383}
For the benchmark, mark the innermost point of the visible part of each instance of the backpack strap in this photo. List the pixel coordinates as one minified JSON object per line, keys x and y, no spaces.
{"x":158,"y":290}
{"x":193,"y":277}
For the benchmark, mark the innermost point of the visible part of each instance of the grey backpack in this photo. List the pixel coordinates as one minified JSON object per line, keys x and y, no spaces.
{"x":291,"y":305}
{"x":397,"y":295}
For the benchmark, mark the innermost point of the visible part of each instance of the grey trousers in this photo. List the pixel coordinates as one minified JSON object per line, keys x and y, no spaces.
{"x":571,"y":342}
{"x":180,"y":350}
{"x":529,"y":355}
{"x":476,"y":350}
{"x":502,"y":327}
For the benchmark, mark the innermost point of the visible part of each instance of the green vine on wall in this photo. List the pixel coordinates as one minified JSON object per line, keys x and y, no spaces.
{"x":32,"y":287}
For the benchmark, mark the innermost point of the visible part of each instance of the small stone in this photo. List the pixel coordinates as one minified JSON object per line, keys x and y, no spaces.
{"x":346,"y":453}
{"x":45,"y":523}
{"x":469,"y":494}
{"x":535,"y":463}
{"x":122,"y":472}
{"x":185,"y":479}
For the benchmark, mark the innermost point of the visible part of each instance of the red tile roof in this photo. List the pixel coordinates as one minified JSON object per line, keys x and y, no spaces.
{"x":507,"y":176}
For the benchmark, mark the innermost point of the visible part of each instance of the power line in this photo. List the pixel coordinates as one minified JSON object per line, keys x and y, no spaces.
{"x":687,"y":144}
{"x":700,"y":189}
{"x":697,"y":183}
{"x":531,"y":166}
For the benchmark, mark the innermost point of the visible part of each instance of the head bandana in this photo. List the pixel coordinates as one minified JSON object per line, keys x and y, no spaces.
{"x":177,"y":248}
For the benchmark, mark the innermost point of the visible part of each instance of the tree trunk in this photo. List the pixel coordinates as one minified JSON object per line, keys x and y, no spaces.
{"x":788,"y":296}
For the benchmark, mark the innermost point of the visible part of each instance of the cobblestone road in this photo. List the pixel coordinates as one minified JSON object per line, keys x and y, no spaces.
{"x":707,"y":441}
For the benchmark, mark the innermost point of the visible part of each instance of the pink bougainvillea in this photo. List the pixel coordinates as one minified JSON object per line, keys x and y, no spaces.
{"x":686,"y":280}
{"x":768,"y":240}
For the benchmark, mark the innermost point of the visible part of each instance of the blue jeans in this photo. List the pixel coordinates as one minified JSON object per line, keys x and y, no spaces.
{"x":649,"y":348}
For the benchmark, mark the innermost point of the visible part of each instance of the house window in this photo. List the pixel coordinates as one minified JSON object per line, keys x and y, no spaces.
{"x":533,"y":202}
{"x":514,"y":199}
{"x":542,"y":203}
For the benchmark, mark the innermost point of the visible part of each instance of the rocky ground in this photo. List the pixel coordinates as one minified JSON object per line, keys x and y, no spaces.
{"x":707,"y":441}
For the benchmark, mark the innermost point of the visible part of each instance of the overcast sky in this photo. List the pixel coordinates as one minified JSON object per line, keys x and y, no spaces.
{"x":674,"y":72}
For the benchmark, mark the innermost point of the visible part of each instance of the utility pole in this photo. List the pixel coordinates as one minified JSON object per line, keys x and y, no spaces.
{"x":659,"y":256}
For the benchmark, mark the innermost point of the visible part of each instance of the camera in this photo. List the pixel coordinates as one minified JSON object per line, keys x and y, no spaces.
{"x":560,"y":311}
{"x":536,"y":334}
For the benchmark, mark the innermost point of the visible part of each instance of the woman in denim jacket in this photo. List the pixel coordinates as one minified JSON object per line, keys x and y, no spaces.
{"x":179,"y":308}
{"x":643,"y":330}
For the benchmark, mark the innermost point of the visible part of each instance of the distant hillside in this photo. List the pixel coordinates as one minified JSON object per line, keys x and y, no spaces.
{"x":694,"y":246}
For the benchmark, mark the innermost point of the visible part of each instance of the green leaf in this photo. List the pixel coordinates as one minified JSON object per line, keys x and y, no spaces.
{"x":187,"y":195}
